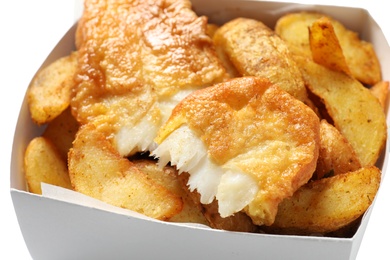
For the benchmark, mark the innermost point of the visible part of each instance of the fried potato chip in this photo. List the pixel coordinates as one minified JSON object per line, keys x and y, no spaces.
{"x":97,"y":170}
{"x":336,"y":155}
{"x":325,"y":46}
{"x":355,"y":112}
{"x":255,"y":50}
{"x":62,"y":131}
{"x":328,"y":204}
{"x":50,"y":90}
{"x":359,"y":54}
{"x":238,"y":222}
{"x":381,"y":90}
{"x":168,"y":177}
{"x":43,"y":163}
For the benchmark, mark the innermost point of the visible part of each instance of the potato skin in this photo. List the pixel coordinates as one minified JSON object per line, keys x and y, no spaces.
{"x":360,"y":55}
{"x":336,"y":155}
{"x":50,"y":91}
{"x":255,"y":50}
{"x":325,"y":46}
{"x":96,"y":169}
{"x":355,"y":112}
{"x":328,"y":204}
{"x":44,"y":163}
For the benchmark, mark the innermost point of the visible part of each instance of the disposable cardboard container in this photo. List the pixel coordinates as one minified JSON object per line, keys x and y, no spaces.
{"x":62,"y":224}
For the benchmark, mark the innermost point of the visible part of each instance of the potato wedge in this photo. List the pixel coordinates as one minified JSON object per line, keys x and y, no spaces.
{"x":381,"y":91}
{"x":168,"y":177}
{"x":325,"y":46}
{"x":43,"y":163}
{"x":355,"y":112}
{"x":96,"y":169}
{"x":359,"y":54}
{"x":62,"y":131}
{"x":328,"y":204}
{"x":255,"y":50}
{"x":50,"y":90}
{"x":336,"y":155}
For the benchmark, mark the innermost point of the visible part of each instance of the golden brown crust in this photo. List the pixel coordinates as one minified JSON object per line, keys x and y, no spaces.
{"x":259,"y":128}
{"x":158,"y":45}
{"x":136,"y":59}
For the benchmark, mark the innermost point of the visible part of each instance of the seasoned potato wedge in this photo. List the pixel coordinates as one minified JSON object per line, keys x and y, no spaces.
{"x":255,"y":50}
{"x":336,"y":155}
{"x":325,"y":46}
{"x":168,"y":177}
{"x":381,"y":91}
{"x":43,"y":163}
{"x":50,"y":90}
{"x":97,"y":170}
{"x":328,"y":204}
{"x":356,"y":113}
{"x":62,"y":131}
{"x":360,"y":55}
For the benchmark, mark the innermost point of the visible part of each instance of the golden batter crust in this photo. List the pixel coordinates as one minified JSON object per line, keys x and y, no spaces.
{"x":250,"y":124}
{"x":133,"y":54}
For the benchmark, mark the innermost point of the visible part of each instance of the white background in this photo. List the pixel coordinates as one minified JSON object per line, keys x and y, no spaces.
{"x":29,"y":30}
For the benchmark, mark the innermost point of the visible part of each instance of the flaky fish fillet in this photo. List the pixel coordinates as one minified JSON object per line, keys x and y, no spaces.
{"x":245,"y":142}
{"x":136,"y":60}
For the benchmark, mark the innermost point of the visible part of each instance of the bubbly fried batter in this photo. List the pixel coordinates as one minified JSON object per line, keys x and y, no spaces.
{"x":136,"y":60}
{"x":261,"y":145}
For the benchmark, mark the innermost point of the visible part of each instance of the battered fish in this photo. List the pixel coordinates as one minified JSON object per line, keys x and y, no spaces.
{"x":245,"y":142}
{"x":137,"y":60}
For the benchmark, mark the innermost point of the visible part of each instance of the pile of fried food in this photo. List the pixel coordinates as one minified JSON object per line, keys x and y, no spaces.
{"x":237,"y":126}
